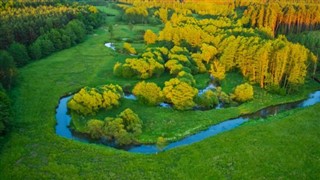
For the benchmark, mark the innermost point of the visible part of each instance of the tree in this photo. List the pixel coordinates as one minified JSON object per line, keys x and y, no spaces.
{"x":95,"y":128}
{"x":131,"y":121}
{"x":150,"y":37}
{"x":243,"y":92}
{"x":90,"y":100}
{"x":180,"y":94}
{"x":8,"y":71}
{"x":129,"y":49}
{"x":186,"y":77}
{"x":208,"y":99}
{"x":218,"y":70}
{"x":163,"y":14}
{"x":35,"y":50}
{"x":19,"y":53}
{"x":148,"y":93}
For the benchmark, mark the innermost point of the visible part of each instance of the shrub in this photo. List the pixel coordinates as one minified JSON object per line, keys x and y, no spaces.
{"x":209,"y":99}
{"x":180,"y":94}
{"x":123,"y":129}
{"x":128,"y":48}
{"x":243,"y":92}
{"x":148,"y":93}
{"x":90,"y":100}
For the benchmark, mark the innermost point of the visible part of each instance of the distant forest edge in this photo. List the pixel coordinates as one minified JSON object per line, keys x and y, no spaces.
{"x":32,"y":29}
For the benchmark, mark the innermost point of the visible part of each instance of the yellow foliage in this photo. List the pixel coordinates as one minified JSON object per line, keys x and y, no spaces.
{"x":218,"y":70}
{"x":180,"y":94}
{"x":90,"y":100}
{"x":243,"y":92}
{"x":148,"y":93}
{"x":150,"y":37}
{"x":163,"y":14}
{"x":129,"y":48}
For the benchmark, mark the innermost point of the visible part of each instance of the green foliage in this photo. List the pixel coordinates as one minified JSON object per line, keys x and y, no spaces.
{"x":8,"y":70}
{"x":95,"y":128}
{"x":38,"y":29}
{"x":186,"y":77}
{"x":161,"y":143}
{"x":19,"y":53}
{"x":148,"y":93}
{"x":5,"y":111}
{"x":90,"y":100}
{"x":243,"y":92}
{"x":207,"y":100}
{"x":123,"y":129}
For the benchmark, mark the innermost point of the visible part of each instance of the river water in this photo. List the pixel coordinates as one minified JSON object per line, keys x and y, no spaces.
{"x":64,"y":119}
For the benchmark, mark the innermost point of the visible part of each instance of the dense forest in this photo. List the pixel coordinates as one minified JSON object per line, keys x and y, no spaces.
{"x":33,"y":29}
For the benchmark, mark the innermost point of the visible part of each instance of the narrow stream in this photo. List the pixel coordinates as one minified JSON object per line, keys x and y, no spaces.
{"x":63,"y":122}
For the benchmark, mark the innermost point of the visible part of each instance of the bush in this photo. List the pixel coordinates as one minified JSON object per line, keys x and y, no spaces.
{"x":128,"y":48}
{"x":19,"y":53}
{"x":148,"y":93}
{"x":123,"y":129}
{"x":207,"y":100}
{"x":90,"y":100}
{"x":180,"y":94}
{"x":243,"y":92}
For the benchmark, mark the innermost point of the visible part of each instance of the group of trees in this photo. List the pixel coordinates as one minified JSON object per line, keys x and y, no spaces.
{"x":31,"y":30}
{"x":214,"y":46}
{"x":310,"y":39}
{"x":284,"y":18}
{"x":122,"y":129}
{"x":144,"y":67}
{"x":90,"y":100}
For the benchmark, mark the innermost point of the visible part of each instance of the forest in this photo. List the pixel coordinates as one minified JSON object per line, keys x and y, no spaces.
{"x":107,"y":85}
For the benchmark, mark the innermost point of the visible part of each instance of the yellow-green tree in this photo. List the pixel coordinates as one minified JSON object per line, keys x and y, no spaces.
{"x":90,"y":100}
{"x":218,"y":70}
{"x":180,"y":94}
{"x":208,"y":99}
{"x":150,"y":37}
{"x":148,"y":93}
{"x":122,"y":129}
{"x":243,"y":92}
{"x":128,"y":48}
{"x":95,"y":128}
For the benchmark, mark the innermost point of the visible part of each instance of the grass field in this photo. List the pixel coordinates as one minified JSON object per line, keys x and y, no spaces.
{"x":286,"y":146}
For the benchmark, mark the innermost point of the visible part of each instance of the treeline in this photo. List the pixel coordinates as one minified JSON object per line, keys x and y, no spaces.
{"x":5,"y":4}
{"x":31,"y":33}
{"x":310,"y":39}
{"x":283,"y":18}
{"x":219,"y":46}
{"x":25,"y":25}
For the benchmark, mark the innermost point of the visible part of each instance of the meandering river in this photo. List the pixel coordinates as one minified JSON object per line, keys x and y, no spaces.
{"x":64,"y":119}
